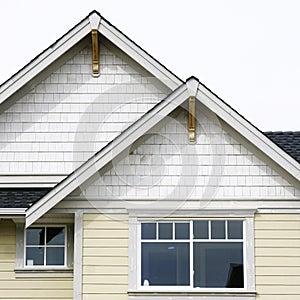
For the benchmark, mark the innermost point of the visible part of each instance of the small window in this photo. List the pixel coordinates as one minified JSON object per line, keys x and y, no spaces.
{"x":45,"y":246}
{"x":195,"y":254}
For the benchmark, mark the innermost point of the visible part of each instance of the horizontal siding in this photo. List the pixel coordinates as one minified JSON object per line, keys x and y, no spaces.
{"x":12,"y":288}
{"x":105,"y":256}
{"x":277,"y":256}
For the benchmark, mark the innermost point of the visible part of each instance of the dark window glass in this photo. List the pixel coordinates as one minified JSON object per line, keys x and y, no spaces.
{"x":218,"y":229}
{"x":35,"y":236}
{"x":34,"y":256}
{"x":55,"y":256}
{"x":165,"y":231}
{"x":218,"y":265}
{"x":149,"y":231}
{"x":55,"y":236}
{"x":235,"y":229}
{"x":165,"y":264}
{"x":201,"y":229}
{"x":182,"y":231}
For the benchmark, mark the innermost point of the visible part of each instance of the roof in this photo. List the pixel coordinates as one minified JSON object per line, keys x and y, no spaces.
{"x":289,"y":141}
{"x":21,"y":197}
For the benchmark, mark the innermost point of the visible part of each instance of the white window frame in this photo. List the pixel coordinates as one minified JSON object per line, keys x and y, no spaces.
{"x":135,"y":287}
{"x":22,"y":270}
{"x":45,"y":246}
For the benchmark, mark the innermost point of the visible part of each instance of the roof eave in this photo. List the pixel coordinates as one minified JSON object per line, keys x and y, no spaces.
{"x":246,"y":129}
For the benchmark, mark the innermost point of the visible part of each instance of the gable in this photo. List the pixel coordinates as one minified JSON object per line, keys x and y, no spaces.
{"x":70,"y":115}
{"x":242,"y":129}
{"x":164,"y":166}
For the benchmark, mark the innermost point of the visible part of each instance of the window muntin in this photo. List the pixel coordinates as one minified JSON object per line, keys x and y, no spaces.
{"x":45,"y":246}
{"x":197,"y":253}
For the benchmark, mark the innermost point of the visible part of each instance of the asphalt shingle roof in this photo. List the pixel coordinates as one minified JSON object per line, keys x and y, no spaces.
{"x":289,"y":141}
{"x":21,"y":197}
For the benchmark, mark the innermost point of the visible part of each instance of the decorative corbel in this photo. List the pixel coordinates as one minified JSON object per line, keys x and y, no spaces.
{"x":192,"y":86}
{"x":95,"y":52}
{"x":95,"y":20}
{"x":192,"y":130}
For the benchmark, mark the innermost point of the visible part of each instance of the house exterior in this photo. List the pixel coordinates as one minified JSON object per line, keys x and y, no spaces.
{"x":119,"y":181}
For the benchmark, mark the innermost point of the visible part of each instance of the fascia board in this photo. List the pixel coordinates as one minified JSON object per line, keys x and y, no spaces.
{"x":44,"y":60}
{"x":12,"y":211}
{"x":113,"y":149}
{"x":248,"y":131}
{"x":132,"y":50}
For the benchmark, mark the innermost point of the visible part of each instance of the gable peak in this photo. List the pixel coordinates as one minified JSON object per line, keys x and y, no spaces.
{"x":192,"y":84}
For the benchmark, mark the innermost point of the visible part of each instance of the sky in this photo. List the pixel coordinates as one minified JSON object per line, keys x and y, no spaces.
{"x":247,"y":52}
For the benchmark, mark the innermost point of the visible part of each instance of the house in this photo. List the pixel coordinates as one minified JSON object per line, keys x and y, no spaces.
{"x":121,"y":181}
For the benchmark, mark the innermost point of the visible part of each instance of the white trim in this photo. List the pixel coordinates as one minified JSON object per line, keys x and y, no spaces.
{"x":44,"y":60}
{"x":131,"y":49}
{"x":192,"y":86}
{"x":134,"y":276}
{"x":28,"y":181}
{"x":73,"y":37}
{"x":249,"y":260}
{"x":247,"y":130}
{"x":37,"y":273}
{"x":278,"y":210}
{"x":160,"y":213}
{"x":78,"y":233}
{"x":45,"y":247}
{"x":113,"y":149}
{"x":190,"y":296}
{"x":94,"y":20}
{"x":12,"y":211}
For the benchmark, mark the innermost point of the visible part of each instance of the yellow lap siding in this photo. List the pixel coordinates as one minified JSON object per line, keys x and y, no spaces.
{"x":13,"y":288}
{"x":105,"y":256}
{"x":277,"y":256}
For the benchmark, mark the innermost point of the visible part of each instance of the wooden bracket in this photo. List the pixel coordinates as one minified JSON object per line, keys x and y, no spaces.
{"x":95,"y":52}
{"x":192,"y":129}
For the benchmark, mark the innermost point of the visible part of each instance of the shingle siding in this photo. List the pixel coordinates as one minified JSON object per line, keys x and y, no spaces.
{"x":71,"y":115}
{"x":164,"y":165}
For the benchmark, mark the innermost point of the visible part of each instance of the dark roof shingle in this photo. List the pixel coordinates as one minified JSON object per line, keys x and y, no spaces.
{"x":21,"y":197}
{"x":289,"y":141}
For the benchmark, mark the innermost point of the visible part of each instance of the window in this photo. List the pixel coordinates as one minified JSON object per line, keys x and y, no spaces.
{"x":194,"y":254}
{"x":44,"y":250}
{"x":45,"y":246}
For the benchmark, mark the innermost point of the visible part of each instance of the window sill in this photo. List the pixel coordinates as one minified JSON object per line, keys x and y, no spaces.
{"x":193,"y":295}
{"x":43,"y":272}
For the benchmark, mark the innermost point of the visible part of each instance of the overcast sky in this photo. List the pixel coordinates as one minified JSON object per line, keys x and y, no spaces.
{"x":247,"y":52}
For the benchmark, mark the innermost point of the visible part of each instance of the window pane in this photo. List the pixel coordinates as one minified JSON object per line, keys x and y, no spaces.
{"x":149,"y":231}
{"x":218,"y":229}
{"x":218,"y":265}
{"x":165,"y":231}
{"x":201,"y":229}
{"x":235,"y":229}
{"x":55,"y":256}
{"x":55,"y":236}
{"x":35,"y":236}
{"x":34,"y":256}
{"x":165,"y":264}
{"x":182,"y":231}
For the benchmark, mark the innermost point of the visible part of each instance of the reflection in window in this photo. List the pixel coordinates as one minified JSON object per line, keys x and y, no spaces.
{"x":165,"y":264}
{"x":45,"y":246}
{"x":210,"y":256}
